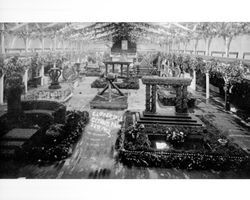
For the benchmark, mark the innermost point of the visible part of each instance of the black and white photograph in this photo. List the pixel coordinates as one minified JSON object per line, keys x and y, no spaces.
{"x":121,"y":99}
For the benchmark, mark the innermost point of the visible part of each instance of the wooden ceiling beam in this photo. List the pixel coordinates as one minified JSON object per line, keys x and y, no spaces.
{"x":181,"y":26}
{"x":51,"y":25}
{"x":18,"y":26}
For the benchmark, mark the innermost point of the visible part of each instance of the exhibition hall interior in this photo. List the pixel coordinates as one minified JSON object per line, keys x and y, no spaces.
{"x":125,"y":100}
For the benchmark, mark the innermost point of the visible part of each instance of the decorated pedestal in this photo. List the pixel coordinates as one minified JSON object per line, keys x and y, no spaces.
{"x":14,"y":91}
{"x":184,"y":147}
{"x":60,"y":95}
{"x":111,"y":99}
{"x":179,"y":84}
{"x":54,"y":74}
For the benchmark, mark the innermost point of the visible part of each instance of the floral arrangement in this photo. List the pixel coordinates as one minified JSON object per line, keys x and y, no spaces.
{"x":140,"y":154}
{"x":175,"y":136}
{"x":58,"y":141}
{"x":136,"y":139}
{"x":15,"y":65}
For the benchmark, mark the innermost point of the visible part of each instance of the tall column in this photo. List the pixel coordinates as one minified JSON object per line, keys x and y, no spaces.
{"x":106,"y":66}
{"x":2,"y":39}
{"x":42,"y":75}
{"x":148,"y":104}
{"x":127,"y":70}
{"x":26,"y":42}
{"x":26,"y":39}
{"x":63,"y":45}
{"x":195,"y":46}
{"x":25,"y":80}
{"x":113,"y":68}
{"x":185,"y":47}
{"x":121,"y":69}
{"x":178,"y":106}
{"x":208,"y":43}
{"x":153,"y":103}
{"x":159,"y":63}
{"x":227,"y":45}
{"x":54,"y":41}
{"x":193,"y":83}
{"x":207,"y":85}
{"x":42,"y":41}
{"x":184,"y":99}
{"x":1,"y":88}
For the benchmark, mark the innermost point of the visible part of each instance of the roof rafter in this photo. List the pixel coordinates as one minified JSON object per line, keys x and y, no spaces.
{"x":181,"y":26}
{"x":18,"y":26}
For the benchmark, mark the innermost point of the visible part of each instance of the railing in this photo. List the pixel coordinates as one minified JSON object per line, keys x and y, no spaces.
{"x":222,"y":53}
{"x":9,"y":52}
{"x":199,"y":52}
{"x":246,"y":54}
{"x":190,"y":51}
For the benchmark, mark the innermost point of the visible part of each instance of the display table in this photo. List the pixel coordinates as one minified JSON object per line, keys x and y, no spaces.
{"x":121,"y":63}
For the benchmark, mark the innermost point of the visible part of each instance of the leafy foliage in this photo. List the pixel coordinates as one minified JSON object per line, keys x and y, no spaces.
{"x":134,"y":149}
{"x":57,"y":141}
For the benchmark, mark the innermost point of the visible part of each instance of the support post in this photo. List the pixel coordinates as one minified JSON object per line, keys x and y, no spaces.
{"x":54,"y":42}
{"x":227,"y":45}
{"x":195,"y":46}
{"x":1,"y":89}
{"x":127,"y":70}
{"x":2,"y":39}
{"x":208,"y":43}
{"x":207,"y":85}
{"x":106,"y":66}
{"x":42,"y":41}
{"x":26,"y":41}
{"x":179,"y":96}
{"x":148,"y":104}
{"x":153,"y":103}
{"x":25,"y":80}
{"x":121,"y":70}
{"x":42,"y":75}
{"x":184,"y":99}
{"x":193,"y":83}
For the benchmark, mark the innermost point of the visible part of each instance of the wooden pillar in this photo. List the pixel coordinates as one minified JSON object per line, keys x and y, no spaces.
{"x":121,"y":69}
{"x":110,"y":92}
{"x":227,"y":45}
{"x":2,"y":39}
{"x":26,"y":39}
{"x":207,"y":85}
{"x":113,"y":68}
{"x":1,"y":89}
{"x":185,"y":47}
{"x":159,"y":63}
{"x":178,"y":106}
{"x":193,"y":83}
{"x":153,"y":103}
{"x":148,"y":95}
{"x":25,"y":80}
{"x":127,"y":70}
{"x":196,"y":45}
{"x":54,"y":41}
{"x":42,"y":41}
{"x":26,"y":43}
{"x":184,"y":99}
{"x":208,"y":43}
{"x":106,"y":66}
{"x":42,"y":75}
